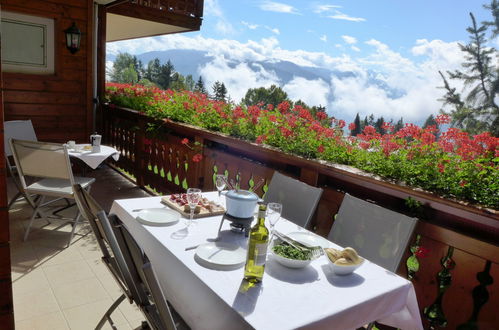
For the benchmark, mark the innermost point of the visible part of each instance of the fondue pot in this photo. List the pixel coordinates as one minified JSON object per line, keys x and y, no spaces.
{"x":241,"y":203}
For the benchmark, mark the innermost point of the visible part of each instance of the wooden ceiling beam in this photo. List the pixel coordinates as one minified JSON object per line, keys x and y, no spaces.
{"x":156,"y":15}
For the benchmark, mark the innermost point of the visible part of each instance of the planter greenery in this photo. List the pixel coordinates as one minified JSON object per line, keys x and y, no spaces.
{"x":451,"y":163}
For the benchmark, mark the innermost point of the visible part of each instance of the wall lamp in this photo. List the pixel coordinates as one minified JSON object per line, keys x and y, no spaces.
{"x":73,"y":38}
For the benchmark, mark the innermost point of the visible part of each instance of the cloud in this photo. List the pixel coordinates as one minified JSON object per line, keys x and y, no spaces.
{"x":222,"y":25}
{"x":278,"y":7}
{"x":341,"y":16}
{"x":312,"y":92}
{"x":381,"y":81}
{"x":356,"y":49}
{"x":273,"y":30}
{"x":249,"y":25}
{"x":238,"y":79}
{"x":323,"y":38}
{"x":349,"y":40}
{"x":318,"y":9}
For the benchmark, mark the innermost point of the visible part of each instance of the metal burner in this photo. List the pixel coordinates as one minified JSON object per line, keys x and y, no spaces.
{"x":237,"y":225}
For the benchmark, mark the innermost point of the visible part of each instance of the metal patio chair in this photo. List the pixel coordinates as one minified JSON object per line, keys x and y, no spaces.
{"x":299,"y":200}
{"x":129,"y":266}
{"x":378,"y":234}
{"x":22,"y":130}
{"x":49,"y":166}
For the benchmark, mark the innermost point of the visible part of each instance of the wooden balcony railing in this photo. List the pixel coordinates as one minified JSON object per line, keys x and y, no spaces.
{"x":453,"y":283}
{"x":192,"y":8}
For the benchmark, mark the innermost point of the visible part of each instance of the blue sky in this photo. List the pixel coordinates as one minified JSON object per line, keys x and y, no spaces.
{"x":403,"y":43}
{"x":320,"y":25}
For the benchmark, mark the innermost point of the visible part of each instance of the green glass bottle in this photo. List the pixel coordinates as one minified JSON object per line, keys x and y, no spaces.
{"x":257,"y":248}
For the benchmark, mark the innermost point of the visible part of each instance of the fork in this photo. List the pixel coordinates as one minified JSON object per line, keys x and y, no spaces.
{"x":315,"y":251}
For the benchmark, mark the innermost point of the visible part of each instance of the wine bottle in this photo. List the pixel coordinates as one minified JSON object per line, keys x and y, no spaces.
{"x":257,"y":248}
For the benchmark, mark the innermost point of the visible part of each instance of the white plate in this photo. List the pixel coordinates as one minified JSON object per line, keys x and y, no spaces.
{"x":220,"y":255}
{"x":309,"y":239}
{"x":158,"y":217}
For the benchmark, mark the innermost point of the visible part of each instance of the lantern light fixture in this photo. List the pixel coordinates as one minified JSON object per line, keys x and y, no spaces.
{"x":73,"y":37}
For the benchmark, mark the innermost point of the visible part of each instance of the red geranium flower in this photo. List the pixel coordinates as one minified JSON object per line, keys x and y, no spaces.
{"x":185,"y":141}
{"x":197,"y":158}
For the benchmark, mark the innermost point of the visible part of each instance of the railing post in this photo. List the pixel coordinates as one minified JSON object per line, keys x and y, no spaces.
{"x":139,"y":166}
{"x":309,"y":176}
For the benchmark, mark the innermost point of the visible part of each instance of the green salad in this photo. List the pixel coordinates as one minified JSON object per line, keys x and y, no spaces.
{"x":287,"y":251}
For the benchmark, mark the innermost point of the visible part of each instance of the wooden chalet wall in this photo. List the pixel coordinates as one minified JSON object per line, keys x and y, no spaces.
{"x":59,"y":105}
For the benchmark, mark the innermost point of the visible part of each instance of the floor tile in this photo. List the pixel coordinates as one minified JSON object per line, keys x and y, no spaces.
{"x":50,"y":321}
{"x":29,"y":282}
{"x":87,"y":316}
{"x":35,"y":303}
{"x":78,"y":293}
{"x":67,"y":272}
{"x":55,"y":256}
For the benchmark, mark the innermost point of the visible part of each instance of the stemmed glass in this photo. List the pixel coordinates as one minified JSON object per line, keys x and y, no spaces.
{"x":193,"y":197}
{"x":220,"y":182}
{"x":274,"y":211}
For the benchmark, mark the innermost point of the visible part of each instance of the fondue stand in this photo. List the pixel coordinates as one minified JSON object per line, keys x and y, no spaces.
{"x":240,"y":206}
{"x":237,"y":225}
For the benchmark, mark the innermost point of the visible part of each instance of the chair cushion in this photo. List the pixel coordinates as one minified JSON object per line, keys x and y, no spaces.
{"x":58,"y":187}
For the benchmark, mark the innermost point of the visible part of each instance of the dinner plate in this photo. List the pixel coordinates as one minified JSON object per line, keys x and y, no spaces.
{"x":309,"y":239}
{"x":220,"y":255}
{"x":158,"y":217}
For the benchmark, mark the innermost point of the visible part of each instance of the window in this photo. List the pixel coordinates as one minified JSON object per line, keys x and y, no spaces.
{"x":27,"y":43}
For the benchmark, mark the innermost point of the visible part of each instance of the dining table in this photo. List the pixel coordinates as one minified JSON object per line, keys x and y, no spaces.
{"x":214,"y":296}
{"x":91,"y":158}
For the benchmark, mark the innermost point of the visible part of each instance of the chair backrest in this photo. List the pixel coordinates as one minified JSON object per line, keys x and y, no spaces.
{"x":299,"y":200}
{"x":89,"y":209}
{"x":160,"y":316}
{"x":378,"y":234}
{"x":17,"y":129}
{"x":41,"y":159}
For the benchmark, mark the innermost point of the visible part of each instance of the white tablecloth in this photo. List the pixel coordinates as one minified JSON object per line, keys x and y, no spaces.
{"x":313,"y":297}
{"x":94,"y":159}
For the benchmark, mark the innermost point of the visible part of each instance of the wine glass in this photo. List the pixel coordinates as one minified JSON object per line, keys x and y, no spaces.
{"x":274,"y":211}
{"x":220,"y":182}
{"x":193,"y":198}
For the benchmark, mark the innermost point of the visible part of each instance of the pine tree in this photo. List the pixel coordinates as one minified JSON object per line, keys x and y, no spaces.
{"x":358,"y":128}
{"x":399,"y":125}
{"x":219,"y":91}
{"x":200,"y":86}
{"x":125,"y":69}
{"x":478,"y":110}
{"x":272,"y":95}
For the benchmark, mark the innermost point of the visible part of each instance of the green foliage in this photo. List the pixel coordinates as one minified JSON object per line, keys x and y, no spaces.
{"x":455,"y":166}
{"x":477,"y":111}
{"x":272,"y":95}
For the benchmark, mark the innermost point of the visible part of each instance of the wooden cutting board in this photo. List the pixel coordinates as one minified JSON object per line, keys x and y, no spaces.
{"x":203,"y":212}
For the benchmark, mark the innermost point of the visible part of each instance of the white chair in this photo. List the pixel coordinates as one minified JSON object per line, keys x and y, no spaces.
{"x":299,"y":200}
{"x":22,"y":130}
{"x":49,"y":165}
{"x":378,"y":234}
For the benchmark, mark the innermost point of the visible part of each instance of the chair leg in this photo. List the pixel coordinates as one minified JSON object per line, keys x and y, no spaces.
{"x":74,"y":228}
{"x":107,"y":315}
{"x":14,"y":199}
{"x":35,"y":212}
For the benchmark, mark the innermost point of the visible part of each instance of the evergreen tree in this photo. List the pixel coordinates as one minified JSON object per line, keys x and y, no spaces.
{"x":165,"y":75}
{"x":358,"y":127}
{"x":478,"y":110}
{"x":219,"y":91}
{"x":153,"y":71}
{"x":379,"y":125}
{"x":399,"y":125}
{"x":189,"y":82}
{"x":177,"y":82}
{"x":200,"y":86}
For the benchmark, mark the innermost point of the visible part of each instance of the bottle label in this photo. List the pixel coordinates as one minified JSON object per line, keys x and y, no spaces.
{"x":260,"y":254}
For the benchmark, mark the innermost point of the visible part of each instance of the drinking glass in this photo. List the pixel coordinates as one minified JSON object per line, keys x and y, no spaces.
{"x":220,"y":182}
{"x":193,"y":197}
{"x":274,"y":211}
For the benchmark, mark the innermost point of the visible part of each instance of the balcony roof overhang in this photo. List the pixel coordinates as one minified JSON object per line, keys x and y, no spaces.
{"x":128,"y":20}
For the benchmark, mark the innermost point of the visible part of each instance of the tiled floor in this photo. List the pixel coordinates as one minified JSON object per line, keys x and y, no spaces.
{"x":66,"y":288}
